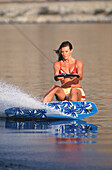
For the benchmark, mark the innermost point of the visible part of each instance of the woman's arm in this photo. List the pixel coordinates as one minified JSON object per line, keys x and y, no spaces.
{"x":56,"y":71}
{"x":80,"y":69}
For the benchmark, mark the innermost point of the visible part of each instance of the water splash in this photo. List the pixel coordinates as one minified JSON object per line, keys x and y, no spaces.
{"x":12,"y":96}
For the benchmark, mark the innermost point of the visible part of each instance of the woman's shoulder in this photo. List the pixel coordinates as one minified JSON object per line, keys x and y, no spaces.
{"x":57,"y":64}
{"x":79,"y":62}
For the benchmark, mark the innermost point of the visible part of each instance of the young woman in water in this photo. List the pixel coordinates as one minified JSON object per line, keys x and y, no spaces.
{"x":70,"y":88}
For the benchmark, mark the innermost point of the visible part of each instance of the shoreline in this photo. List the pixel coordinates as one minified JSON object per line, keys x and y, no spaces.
{"x":56,"y":12}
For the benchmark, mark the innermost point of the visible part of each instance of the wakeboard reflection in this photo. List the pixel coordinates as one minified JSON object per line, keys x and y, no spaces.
{"x":72,"y":129}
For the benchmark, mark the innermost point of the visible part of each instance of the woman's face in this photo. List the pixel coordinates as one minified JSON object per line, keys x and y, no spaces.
{"x":66,"y":52}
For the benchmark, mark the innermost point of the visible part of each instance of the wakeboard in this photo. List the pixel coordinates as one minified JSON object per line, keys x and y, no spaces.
{"x":55,"y":110}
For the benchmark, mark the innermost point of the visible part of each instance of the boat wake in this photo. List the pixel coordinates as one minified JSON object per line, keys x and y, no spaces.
{"x":12,"y":96}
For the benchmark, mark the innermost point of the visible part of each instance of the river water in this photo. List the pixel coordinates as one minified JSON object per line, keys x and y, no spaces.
{"x":26,"y":73}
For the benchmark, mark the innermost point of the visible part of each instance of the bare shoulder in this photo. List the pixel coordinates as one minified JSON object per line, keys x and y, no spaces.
{"x":57,"y":64}
{"x":79,"y":63}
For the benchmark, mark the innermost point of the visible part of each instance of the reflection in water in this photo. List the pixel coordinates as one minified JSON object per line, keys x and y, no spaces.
{"x":64,"y":131}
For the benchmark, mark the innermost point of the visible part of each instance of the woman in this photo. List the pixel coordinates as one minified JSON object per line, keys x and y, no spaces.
{"x":70,"y":88}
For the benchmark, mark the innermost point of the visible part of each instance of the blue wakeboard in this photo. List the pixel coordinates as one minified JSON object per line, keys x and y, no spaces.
{"x":55,"y":110}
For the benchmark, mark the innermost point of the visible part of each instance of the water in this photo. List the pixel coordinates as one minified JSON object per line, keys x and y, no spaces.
{"x":25,"y":76}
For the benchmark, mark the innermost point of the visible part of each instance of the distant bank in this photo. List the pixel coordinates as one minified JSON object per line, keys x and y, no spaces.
{"x":50,"y":11}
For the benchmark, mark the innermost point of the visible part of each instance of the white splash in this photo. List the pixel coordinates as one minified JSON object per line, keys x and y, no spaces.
{"x":12,"y":96}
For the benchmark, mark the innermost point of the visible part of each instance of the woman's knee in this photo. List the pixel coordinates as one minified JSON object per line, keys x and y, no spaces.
{"x":53,"y":88}
{"x":56,"y":88}
{"x":74,"y":94}
{"x":74,"y":91}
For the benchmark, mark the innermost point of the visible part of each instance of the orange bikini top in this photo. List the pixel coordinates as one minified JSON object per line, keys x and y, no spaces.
{"x":73,"y":71}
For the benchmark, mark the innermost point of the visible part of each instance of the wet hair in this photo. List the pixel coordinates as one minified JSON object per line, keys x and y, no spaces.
{"x":58,"y":51}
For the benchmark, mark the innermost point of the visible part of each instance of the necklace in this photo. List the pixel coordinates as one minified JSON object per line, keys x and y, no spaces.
{"x":67,"y":63}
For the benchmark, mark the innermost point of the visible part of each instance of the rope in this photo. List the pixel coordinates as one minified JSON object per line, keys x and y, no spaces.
{"x":33,"y":44}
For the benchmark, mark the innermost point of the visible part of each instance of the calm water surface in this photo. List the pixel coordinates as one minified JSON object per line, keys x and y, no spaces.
{"x":26,"y":72}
